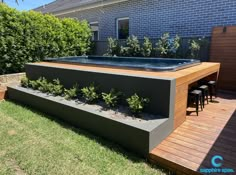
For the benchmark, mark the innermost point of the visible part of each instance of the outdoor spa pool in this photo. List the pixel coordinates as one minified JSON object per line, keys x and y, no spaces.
{"x":154,"y":64}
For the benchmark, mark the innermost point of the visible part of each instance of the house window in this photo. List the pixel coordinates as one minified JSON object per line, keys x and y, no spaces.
{"x":122,"y":28}
{"x":95,"y":31}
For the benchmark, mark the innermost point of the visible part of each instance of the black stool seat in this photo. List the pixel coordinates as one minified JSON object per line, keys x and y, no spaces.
{"x":196,"y":96}
{"x":212,"y":88}
{"x":212,"y":82}
{"x":205,"y":92}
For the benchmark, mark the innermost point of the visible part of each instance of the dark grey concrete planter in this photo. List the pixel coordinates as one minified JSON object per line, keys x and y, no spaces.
{"x":139,"y":137}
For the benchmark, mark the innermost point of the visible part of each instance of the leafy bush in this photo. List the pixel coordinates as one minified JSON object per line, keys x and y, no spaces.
{"x":133,"y":46}
{"x":113,"y":47}
{"x":147,"y":47}
{"x":33,"y":84}
{"x":24,"y":82}
{"x":30,"y":36}
{"x":90,"y":93}
{"x":111,"y":99}
{"x":43,"y":84}
{"x":72,"y":92}
{"x":57,"y":87}
{"x":167,"y":47}
{"x":136,"y":103}
{"x":195,"y":47}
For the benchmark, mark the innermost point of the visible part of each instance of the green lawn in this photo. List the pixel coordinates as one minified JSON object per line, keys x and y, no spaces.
{"x":32,"y":143}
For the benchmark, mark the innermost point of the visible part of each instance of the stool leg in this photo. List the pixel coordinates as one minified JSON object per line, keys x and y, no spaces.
{"x":197,"y":104}
{"x":203,"y":99}
{"x":207,"y":93}
{"x":201,"y":103}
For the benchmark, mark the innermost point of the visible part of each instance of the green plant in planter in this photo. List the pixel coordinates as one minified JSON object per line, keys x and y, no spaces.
{"x":137,"y":103}
{"x":24,"y":82}
{"x":34,"y":84}
{"x":168,"y":47}
{"x":90,"y":93}
{"x":111,"y":99}
{"x":43,"y":84}
{"x":133,"y":46}
{"x":72,"y":92}
{"x":195,"y":46}
{"x":57,"y":87}
{"x":147,"y":47}
{"x":113,"y":47}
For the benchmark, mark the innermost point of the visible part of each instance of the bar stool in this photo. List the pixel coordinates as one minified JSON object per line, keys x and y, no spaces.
{"x":196,"y":95}
{"x":205,"y":93}
{"x":212,"y":89}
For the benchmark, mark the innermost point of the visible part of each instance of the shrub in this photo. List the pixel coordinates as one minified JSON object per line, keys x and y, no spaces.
{"x":167,"y":47}
{"x":111,"y":99}
{"x":113,"y":47}
{"x":195,"y":47}
{"x":24,"y":82}
{"x":136,"y":103}
{"x":90,"y":93}
{"x":33,"y":84}
{"x":57,"y":87}
{"x":133,"y":46}
{"x":72,"y":92}
{"x":43,"y":84}
{"x":147,"y":47}
{"x":30,"y":36}
{"x":124,"y":51}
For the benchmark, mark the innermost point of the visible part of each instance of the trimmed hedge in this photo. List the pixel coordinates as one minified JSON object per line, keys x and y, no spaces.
{"x":30,"y":36}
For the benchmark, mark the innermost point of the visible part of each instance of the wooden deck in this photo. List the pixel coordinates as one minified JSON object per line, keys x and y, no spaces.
{"x":192,"y":145}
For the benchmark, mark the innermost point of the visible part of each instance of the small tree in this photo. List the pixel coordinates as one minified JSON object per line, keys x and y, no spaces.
{"x":113,"y":47}
{"x":168,"y":47}
{"x":195,"y":47}
{"x":147,"y":47}
{"x":133,"y":46}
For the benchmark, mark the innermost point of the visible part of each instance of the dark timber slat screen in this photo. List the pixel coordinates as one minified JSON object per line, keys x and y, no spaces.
{"x":223,"y":50}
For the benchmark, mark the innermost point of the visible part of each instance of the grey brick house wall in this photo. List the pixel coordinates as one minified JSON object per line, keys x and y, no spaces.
{"x":187,"y":18}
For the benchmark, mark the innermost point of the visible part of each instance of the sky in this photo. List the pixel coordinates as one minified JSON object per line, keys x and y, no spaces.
{"x":26,"y":4}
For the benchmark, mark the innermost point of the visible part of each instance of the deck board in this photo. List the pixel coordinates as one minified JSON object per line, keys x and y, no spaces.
{"x":192,"y":145}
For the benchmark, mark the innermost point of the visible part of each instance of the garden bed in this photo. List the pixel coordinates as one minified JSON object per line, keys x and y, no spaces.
{"x":138,"y":135}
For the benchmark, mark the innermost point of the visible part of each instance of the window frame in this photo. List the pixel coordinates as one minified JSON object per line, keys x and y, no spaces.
{"x":95,"y":22}
{"x":117,"y":25}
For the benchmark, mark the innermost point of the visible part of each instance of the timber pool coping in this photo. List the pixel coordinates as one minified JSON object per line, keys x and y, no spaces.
{"x":178,"y":75}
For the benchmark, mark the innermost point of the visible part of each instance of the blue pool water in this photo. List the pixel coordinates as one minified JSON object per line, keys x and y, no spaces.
{"x":154,"y":64}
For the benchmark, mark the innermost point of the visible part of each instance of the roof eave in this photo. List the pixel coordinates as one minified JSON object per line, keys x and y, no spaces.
{"x":87,"y":7}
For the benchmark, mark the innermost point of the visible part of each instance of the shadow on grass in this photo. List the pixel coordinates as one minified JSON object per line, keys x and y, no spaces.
{"x":102,"y":141}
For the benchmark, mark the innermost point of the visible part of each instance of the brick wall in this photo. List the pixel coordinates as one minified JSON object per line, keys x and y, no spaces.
{"x":154,"y":17}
